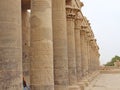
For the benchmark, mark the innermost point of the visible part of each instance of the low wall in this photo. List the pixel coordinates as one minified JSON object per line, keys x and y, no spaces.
{"x":109,"y":69}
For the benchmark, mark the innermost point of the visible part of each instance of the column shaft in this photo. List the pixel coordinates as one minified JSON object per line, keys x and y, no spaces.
{"x":71,"y":50}
{"x":86,"y":54}
{"x":92,"y":57}
{"x":60,"y":45}
{"x":83,"y":52}
{"x":90,"y":70}
{"x":89,"y":56}
{"x":10,"y":45}
{"x":41,"y":73}
{"x":78,"y":50}
{"x":26,"y":45}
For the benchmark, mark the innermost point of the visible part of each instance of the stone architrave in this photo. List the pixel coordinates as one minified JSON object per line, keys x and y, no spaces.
{"x":10,"y":45}
{"x":60,"y":45}
{"x":41,"y":64}
{"x":26,"y":44}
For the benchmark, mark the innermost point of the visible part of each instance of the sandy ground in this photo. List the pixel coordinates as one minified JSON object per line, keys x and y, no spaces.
{"x":105,"y":82}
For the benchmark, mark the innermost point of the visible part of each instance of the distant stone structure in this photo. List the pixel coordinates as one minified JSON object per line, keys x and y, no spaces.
{"x":52,"y":47}
{"x":117,"y":63}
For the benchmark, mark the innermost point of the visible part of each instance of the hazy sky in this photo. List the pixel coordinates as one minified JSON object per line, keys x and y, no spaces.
{"x":104,"y":16}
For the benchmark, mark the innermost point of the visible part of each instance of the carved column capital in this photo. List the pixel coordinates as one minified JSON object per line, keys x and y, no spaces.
{"x":78,"y":18}
{"x":92,"y":42}
{"x":89,"y":34}
{"x":69,"y":12}
{"x":84,"y":28}
{"x":78,"y":21}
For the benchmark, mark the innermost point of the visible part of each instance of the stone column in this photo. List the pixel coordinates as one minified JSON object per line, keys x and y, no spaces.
{"x":92,"y":56}
{"x":98,"y":60}
{"x":78,"y":48}
{"x":60,"y":45}
{"x":86,"y":54}
{"x":26,"y":44}
{"x":90,"y":70}
{"x":10,"y":45}
{"x":41,"y":74}
{"x":83,"y":50}
{"x":82,"y":39}
{"x":71,"y":48}
{"x":88,"y":51}
{"x":97,"y":57}
{"x":94,"y":59}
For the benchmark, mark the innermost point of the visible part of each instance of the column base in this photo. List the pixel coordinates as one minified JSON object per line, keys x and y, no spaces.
{"x":61,"y":87}
{"x":93,"y":75}
{"x":86,"y":82}
{"x":81,"y":85}
{"x":74,"y":87}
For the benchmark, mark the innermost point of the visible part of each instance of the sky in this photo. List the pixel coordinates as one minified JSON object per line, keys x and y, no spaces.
{"x":104,"y":16}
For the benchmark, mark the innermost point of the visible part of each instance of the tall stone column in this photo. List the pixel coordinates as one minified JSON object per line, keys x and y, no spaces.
{"x":41,"y":72}
{"x":71,"y":48}
{"x":60,"y":45}
{"x":94,"y":59}
{"x":98,"y":60}
{"x":90,"y":70}
{"x":26,"y":44}
{"x":86,"y":53}
{"x":78,"y":48}
{"x":97,"y":57}
{"x":83,"y":50}
{"x":92,"y":56}
{"x":10,"y":45}
{"x":82,"y":32}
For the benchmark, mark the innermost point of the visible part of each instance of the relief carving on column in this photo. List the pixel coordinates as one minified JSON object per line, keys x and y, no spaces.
{"x":84,"y":28}
{"x":71,"y":12}
{"x":78,"y":20}
{"x":72,"y":8}
{"x":91,"y":41}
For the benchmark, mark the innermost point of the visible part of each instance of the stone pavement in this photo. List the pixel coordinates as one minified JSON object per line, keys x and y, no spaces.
{"x":105,"y":82}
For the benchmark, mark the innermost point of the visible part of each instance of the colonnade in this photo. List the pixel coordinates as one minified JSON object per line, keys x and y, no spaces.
{"x":53,"y":46}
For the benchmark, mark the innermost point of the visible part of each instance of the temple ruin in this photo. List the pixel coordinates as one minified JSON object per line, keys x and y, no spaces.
{"x":53,"y":47}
